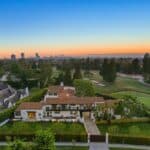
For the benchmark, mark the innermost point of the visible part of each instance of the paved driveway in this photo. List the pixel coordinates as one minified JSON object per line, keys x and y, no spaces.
{"x":98,"y":146}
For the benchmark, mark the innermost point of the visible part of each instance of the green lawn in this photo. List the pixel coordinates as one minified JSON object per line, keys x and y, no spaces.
{"x":131,"y":129}
{"x":59,"y":148}
{"x":123,"y":86}
{"x":72,"y":148}
{"x":144,"y":98}
{"x":32,"y":127}
{"x":123,"y":149}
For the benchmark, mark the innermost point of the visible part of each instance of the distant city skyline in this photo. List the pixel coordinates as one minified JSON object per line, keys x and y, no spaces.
{"x":74,"y":27}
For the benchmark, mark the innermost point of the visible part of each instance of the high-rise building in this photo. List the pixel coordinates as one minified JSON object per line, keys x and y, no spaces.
{"x":37,"y":56}
{"x":22,"y":55}
{"x":13,"y":57}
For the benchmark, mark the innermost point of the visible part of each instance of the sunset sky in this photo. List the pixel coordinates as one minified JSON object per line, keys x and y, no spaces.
{"x":74,"y":27}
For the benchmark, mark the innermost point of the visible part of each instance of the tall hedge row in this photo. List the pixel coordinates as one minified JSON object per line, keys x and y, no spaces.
{"x":119,"y":121}
{"x":129,"y":140}
{"x":58,"y":137}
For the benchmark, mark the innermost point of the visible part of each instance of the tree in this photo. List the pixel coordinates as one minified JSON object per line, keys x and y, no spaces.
{"x":146,"y":67}
{"x":45,"y":73}
{"x":77,"y":74}
{"x":108,"y":70}
{"x":83,"y":88}
{"x":44,"y":140}
{"x":131,"y":107}
{"x":60,"y":78}
{"x":17,"y":145}
{"x":136,"y":66}
{"x":112,"y":71}
{"x":67,"y":76}
{"x":87,"y":66}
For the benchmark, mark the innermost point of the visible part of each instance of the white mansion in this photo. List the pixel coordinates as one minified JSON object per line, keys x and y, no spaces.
{"x":60,"y":104}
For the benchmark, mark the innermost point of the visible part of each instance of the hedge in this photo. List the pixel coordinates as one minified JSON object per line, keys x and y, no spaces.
{"x":58,"y":137}
{"x":35,"y":96}
{"x":129,"y":140}
{"x":105,"y":96}
{"x":118,"y":121}
{"x":7,"y":113}
{"x":80,"y":138}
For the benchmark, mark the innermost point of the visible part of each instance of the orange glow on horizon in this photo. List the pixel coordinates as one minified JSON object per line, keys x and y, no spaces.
{"x":75,"y":51}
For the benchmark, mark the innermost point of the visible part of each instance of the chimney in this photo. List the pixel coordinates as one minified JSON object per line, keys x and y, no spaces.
{"x":61,"y":84}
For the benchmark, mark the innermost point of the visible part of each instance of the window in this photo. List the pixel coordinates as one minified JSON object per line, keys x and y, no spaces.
{"x":47,"y":108}
{"x":17,"y":113}
{"x":57,"y":112}
{"x":73,"y":112}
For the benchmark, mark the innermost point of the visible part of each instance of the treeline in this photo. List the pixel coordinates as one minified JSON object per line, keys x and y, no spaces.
{"x":39,"y":72}
{"x":108,"y":67}
{"x":23,"y":73}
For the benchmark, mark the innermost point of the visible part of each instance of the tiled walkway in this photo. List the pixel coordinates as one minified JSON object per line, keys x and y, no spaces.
{"x":91,"y":127}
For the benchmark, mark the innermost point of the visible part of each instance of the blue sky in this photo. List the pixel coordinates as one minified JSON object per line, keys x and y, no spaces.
{"x":73,"y":23}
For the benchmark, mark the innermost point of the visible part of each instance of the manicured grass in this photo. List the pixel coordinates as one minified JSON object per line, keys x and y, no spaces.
{"x":32,"y":127}
{"x":59,"y":148}
{"x":123,"y":86}
{"x":123,"y":149}
{"x":144,"y":98}
{"x":72,"y":148}
{"x":130,"y":129}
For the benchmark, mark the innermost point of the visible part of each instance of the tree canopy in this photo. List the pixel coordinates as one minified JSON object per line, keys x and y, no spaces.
{"x":146,"y":67}
{"x":44,"y":140}
{"x":83,"y":87}
{"x":108,"y":70}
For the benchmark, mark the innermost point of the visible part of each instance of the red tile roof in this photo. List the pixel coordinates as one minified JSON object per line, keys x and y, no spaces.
{"x":29,"y":105}
{"x":73,"y":100}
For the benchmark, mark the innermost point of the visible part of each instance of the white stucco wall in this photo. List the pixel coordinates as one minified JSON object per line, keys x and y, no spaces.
{"x":65,"y":114}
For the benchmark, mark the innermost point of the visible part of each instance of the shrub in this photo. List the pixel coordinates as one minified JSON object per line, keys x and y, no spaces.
{"x":8,"y":113}
{"x":129,"y":140}
{"x":105,"y":96}
{"x":113,"y":129}
{"x":31,"y":137}
{"x":44,"y":140}
{"x":119,"y":121}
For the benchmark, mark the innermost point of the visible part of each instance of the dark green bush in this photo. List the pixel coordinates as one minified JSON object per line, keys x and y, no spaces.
{"x":58,"y":137}
{"x":71,"y":137}
{"x":104,"y":96}
{"x":119,"y":121}
{"x":8,"y":113}
{"x":129,"y":140}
